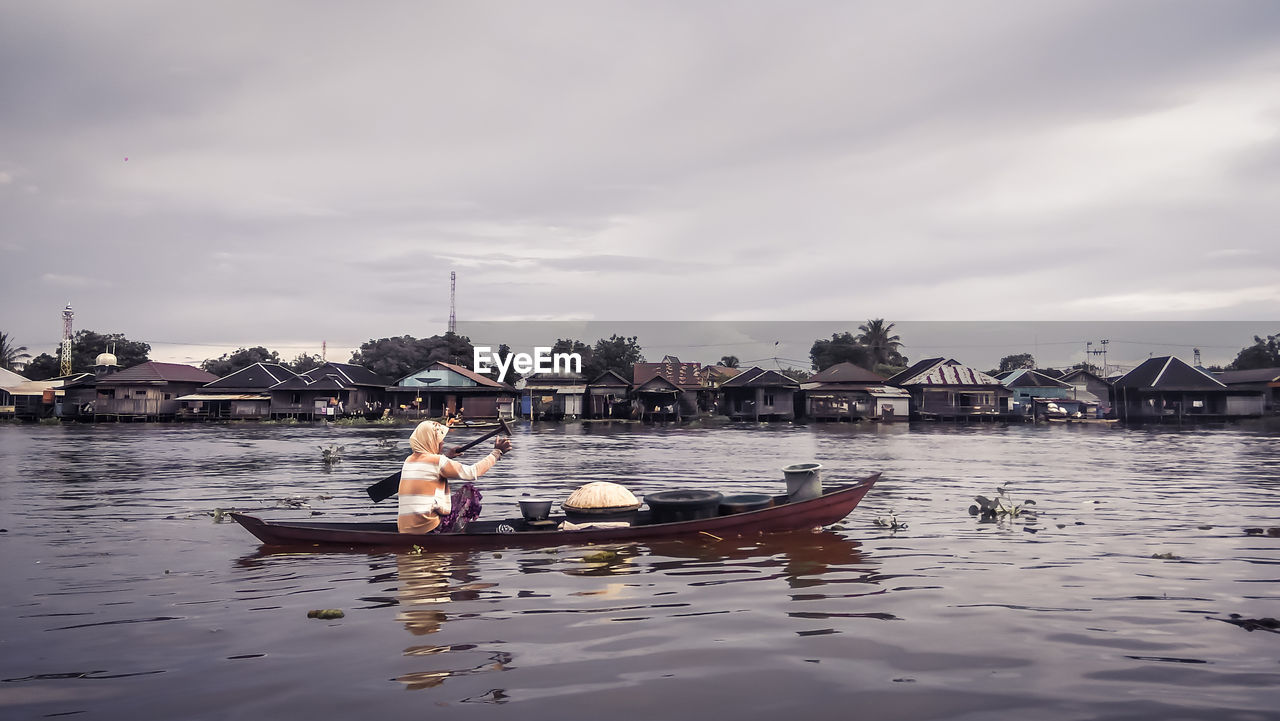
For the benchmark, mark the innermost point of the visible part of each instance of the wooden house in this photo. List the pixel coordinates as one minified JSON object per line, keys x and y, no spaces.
{"x":1265,"y":381}
{"x":1168,"y":389}
{"x":242,"y":395}
{"x":445,"y":390}
{"x":676,"y":395}
{"x":608,"y":396}
{"x":848,"y":392}
{"x":757,"y":394}
{"x":549,"y":396}
{"x":147,"y":391}
{"x":330,"y":391}
{"x":1027,"y":385}
{"x":943,"y":389}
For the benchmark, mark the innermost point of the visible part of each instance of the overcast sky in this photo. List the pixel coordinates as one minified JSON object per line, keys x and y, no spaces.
{"x":204,"y":176}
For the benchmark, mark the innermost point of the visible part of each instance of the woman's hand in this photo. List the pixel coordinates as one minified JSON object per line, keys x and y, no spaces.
{"x":453,"y":452}
{"x":503,"y":444}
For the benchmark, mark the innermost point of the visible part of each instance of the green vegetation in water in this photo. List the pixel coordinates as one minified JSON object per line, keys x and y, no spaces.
{"x":50,"y":421}
{"x":331,"y":454}
{"x":1166,"y":557}
{"x":890,"y":521}
{"x":603,"y":556}
{"x":281,"y":422}
{"x":991,"y":509}
{"x":326,"y":613}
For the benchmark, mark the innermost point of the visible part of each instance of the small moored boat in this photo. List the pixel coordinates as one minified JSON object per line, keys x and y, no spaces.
{"x":835,"y":503}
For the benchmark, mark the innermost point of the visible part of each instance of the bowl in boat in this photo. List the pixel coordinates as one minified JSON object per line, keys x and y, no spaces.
{"x":535,"y":509}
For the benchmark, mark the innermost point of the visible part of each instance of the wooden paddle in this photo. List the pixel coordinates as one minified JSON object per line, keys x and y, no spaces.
{"x":389,"y":486}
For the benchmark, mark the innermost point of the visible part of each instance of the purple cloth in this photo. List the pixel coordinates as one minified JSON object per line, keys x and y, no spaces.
{"x":466,"y":508}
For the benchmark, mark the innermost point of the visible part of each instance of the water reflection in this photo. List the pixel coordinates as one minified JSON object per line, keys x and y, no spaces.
{"x":427,"y":582}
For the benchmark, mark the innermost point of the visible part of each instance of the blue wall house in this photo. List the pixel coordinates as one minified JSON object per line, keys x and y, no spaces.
{"x":1027,"y":385}
{"x":443,"y":389}
{"x":943,"y":389}
{"x":550,"y":396}
{"x":1090,"y":388}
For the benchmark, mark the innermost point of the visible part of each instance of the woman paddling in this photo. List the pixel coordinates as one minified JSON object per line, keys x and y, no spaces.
{"x":425,"y":502}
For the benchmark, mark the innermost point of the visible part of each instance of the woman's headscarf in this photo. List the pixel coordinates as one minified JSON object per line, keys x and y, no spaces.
{"x":428,"y":437}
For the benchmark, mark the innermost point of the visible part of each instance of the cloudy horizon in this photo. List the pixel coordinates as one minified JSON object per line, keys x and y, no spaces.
{"x":289,"y":173}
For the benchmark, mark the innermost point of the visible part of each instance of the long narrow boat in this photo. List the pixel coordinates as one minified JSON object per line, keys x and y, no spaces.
{"x":835,"y":503}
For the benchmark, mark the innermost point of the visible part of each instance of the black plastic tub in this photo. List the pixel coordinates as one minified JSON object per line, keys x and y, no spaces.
{"x":683,"y":505}
{"x":744,"y":502}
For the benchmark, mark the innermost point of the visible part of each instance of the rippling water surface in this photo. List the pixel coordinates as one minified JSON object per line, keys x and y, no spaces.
{"x":124,"y":599}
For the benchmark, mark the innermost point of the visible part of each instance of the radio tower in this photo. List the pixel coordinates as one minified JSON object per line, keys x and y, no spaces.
{"x":67,"y":315}
{"x":453,"y":290}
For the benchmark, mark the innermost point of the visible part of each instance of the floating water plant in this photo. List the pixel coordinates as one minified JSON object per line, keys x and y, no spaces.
{"x":331,"y":454}
{"x":890,"y":521}
{"x":326,"y":613}
{"x":1000,"y":507}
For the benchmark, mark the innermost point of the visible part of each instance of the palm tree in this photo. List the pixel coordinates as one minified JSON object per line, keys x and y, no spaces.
{"x":729,"y":361}
{"x":876,"y":337}
{"x":9,"y":353}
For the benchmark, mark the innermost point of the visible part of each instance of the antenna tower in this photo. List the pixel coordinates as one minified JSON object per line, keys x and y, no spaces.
{"x":453,"y":290}
{"x":67,"y":315}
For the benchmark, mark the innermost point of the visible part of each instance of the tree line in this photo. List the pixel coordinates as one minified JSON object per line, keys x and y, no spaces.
{"x":874,"y":347}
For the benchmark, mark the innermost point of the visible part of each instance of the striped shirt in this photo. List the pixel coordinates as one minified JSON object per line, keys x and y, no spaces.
{"x":424,"y":488}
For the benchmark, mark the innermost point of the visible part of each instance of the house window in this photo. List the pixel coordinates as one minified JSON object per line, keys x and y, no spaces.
{"x":297,"y":398}
{"x":768,"y":399}
{"x":167,"y":396}
{"x":140,"y":394}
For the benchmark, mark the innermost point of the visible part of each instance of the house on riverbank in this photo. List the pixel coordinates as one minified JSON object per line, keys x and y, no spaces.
{"x":330,"y":391}
{"x":242,"y":395}
{"x":848,"y":392}
{"x":552,"y":396}
{"x":757,"y":394}
{"x":944,"y":389}
{"x":1166,"y":389}
{"x":1028,"y":386}
{"x":1261,"y":380}
{"x":144,"y":392}
{"x":668,"y":390}
{"x":608,"y":396}
{"x":444,"y":389}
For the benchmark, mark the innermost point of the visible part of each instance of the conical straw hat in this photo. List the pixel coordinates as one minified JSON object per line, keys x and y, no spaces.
{"x":601,"y":494}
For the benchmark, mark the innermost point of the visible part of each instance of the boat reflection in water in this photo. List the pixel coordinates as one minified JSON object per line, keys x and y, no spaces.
{"x":428,"y":582}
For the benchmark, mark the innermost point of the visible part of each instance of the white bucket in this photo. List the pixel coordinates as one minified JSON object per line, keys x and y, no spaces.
{"x":803,"y":481}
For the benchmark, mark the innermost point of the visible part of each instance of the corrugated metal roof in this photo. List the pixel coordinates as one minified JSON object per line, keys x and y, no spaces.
{"x":951,"y":375}
{"x":684,"y":375}
{"x":1168,"y":373}
{"x":758,"y":377}
{"x":1024,"y":378}
{"x":258,"y":375}
{"x":349,"y":372}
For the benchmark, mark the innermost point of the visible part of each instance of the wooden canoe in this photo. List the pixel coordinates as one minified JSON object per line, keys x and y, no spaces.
{"x":835,"y":503}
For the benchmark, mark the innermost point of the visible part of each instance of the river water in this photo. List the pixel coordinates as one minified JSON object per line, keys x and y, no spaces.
{"x":123,"y":598}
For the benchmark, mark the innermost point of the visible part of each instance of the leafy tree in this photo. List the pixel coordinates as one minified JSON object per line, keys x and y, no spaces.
{"x":85,"y":347}
{"x":569,"y":345}
{"x":1262,"y":354}
{"x":617,"y":353}
{"x":398,"y":357}
{"x":11,"y":353}
{"x":729,"y":361}
{"x":1016,"y":361}
{"x":841,"y":348}
{"x":796,"y":374}
{"x":227,"y":364}
{"x":43,"y":367}
{"x":883,"y":344}
{"x":305,"y":362}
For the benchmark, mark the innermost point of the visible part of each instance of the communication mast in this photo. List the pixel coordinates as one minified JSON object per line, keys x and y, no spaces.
{"x":453,"y":289}
{"x":67,"y":315}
